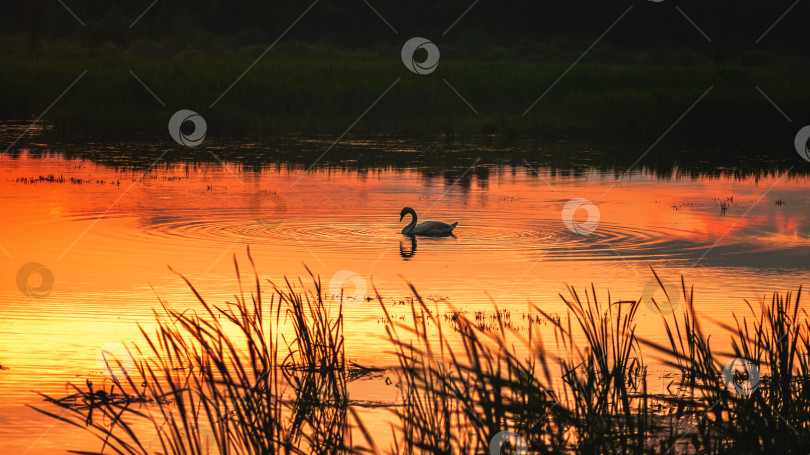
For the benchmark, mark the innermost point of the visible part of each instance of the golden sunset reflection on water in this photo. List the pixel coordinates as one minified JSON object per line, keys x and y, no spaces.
{"x":108,"y":235}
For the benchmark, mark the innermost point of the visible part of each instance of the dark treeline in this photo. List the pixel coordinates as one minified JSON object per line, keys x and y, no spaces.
{"x":500,"y":56}
{"x":488,"y":27}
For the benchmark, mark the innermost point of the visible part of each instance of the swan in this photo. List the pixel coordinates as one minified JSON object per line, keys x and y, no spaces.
{"x":430,"y":228}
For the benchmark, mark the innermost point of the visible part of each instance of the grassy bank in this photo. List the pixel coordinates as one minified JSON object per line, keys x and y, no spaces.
{"x":225,"y":381}
{"x":634,"y":104}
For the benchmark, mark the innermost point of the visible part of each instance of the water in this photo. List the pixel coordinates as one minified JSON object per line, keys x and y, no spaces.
{"x":108,"y":235}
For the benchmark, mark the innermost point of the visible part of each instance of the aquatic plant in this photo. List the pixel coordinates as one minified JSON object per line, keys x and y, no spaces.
{"x":467,"y":401}
{"x":758,"y":402}
{"x":227,"y":381}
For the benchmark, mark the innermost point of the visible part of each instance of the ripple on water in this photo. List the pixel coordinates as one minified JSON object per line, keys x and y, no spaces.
{"x":608,"y":242}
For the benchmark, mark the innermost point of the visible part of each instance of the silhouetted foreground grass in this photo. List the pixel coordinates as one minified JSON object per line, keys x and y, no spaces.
{"x":594,"y":400}
{"x":629,"y":102}
{"x":227,"y":377}
{"x":226,"y":381}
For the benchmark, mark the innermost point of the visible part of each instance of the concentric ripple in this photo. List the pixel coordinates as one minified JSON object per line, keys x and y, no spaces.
{"x":608,"y":242}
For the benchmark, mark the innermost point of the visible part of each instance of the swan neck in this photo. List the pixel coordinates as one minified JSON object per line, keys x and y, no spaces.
{"x":412,"y":224}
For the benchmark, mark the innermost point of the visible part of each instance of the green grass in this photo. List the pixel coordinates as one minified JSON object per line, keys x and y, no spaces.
{"x":633,"y":104}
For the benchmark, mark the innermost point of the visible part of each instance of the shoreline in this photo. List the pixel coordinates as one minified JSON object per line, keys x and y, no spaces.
{"x":627,"y":103}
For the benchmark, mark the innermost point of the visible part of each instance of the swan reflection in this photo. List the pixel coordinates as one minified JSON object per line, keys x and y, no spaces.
{"x":407,"y":244}
{"x":404,"y":250}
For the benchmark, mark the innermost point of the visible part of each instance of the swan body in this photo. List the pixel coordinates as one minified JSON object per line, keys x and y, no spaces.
{"x":427,"y":228}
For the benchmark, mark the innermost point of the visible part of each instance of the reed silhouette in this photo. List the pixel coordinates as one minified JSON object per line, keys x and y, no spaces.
{"x":215,"y":382}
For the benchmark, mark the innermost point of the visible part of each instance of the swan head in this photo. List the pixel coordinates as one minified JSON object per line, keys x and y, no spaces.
{"x":406,"y":211}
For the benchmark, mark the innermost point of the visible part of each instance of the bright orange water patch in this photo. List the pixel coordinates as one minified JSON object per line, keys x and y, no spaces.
{"x":108,"y":245}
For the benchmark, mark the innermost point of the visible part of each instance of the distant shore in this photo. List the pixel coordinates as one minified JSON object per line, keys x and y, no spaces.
{"x":630,"y":103}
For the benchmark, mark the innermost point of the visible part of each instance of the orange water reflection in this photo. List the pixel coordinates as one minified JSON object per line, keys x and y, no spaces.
{"x":108,"y":235}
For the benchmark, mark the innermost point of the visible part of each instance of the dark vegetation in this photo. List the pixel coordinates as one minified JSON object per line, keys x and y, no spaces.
{"x":511,"y":29}
{"x":331,"y":66}
{"x":626,"y":105}
{"x":228,"y":381}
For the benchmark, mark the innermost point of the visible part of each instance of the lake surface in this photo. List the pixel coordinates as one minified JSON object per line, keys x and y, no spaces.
{"x":107,"y":228}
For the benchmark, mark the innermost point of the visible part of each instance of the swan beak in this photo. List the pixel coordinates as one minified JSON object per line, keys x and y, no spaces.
{"x":401,"y":217}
